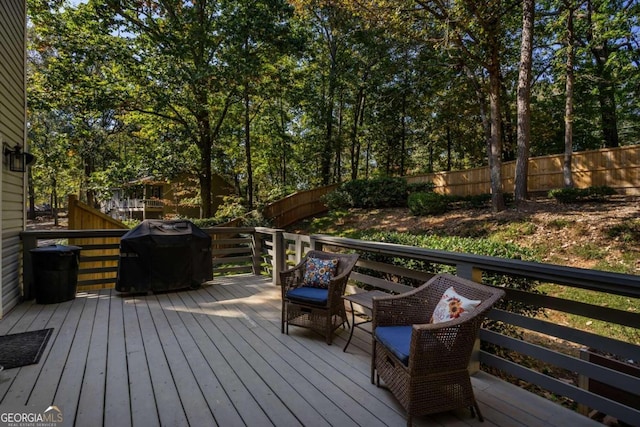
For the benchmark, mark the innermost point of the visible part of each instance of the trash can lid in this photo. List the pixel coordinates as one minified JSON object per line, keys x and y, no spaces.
{"x":56,"y":248}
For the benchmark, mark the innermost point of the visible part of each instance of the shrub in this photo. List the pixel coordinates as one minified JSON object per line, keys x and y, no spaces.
{"x":231,"y":208}
{"x":478,"y":200}
{"x":205,"y":222}
{"x":475,"y":246}
{"x":566,"y":195}
{"x":420,"y":187}
{"x":600,"y":192}
{"x":421,"y":204}
{"x":574,"y":195}
{"x":131,"y":223}
{"x":375,"y":193}
{"x":337,"y":199}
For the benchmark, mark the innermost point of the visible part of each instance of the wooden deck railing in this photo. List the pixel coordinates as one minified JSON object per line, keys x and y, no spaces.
{"x":268,"y":251}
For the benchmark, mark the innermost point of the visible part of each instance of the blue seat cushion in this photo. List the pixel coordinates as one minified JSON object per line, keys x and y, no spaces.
{"x":397,"y":339}
{"x":309,"y":295}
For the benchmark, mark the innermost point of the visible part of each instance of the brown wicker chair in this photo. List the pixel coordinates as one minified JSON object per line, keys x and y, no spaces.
{"x":324,"y":314}
{"x":435,"y":377}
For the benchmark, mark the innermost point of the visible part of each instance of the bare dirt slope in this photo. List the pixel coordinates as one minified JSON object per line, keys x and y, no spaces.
{"x":578,"y":235}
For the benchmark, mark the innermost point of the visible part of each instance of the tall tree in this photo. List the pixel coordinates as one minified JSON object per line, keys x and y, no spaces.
{"x":175,"y":48}
{"x":567,"y":175}
{"x":259,"y":34}
{"x":524,"y":100}
{"x":477,"y":30}
{"x":72,"y":89}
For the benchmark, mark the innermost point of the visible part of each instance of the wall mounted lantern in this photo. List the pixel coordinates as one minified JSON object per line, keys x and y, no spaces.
{"x":17,"y":159}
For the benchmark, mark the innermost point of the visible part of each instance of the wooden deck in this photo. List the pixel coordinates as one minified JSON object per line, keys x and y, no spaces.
{"x":215,"y":356}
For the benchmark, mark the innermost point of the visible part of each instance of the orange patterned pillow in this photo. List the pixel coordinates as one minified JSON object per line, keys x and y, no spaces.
{"x":452,"y":305}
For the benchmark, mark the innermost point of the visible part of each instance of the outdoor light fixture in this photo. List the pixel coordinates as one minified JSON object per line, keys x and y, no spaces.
{"x":17,"y":159}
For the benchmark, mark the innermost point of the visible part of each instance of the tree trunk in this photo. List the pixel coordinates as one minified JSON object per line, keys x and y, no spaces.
{"x":205,"y":144}
{"x":567,"y":176}
{"x":524,"y":106}
{"x":54,"y":201}
{"x":606,"y":92}
{"x":403,"y":137}
{"x":449,"y":147}
{"x":327,"y":150}
{"x":283,"y":160}
{"x":247,"y":146}
{"x":495,"y":148}
{"x":607,"y":99}
{"x":358,"y":112}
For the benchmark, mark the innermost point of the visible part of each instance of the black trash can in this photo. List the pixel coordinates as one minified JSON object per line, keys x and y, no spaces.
{"x":55,"y":273}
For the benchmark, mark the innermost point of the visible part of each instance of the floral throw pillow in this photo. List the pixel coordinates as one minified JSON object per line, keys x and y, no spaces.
{"x":452,"y":305}
{"x":319,"y":272}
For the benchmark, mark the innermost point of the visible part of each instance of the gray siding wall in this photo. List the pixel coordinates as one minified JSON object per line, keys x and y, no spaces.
{"x":12,"y":132}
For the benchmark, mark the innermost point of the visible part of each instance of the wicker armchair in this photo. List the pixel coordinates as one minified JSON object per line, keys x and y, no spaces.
{"x":316,"y":308}
{"x":424,"y":364}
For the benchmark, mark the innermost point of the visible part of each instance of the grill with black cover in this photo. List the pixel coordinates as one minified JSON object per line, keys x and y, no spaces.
{"x":162,"y":255}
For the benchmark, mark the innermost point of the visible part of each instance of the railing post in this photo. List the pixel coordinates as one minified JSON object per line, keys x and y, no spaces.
{"x":279,"y":255}
{"x":468,"y":271}
{"x":256,"y":248}
{"x":314,"y":244}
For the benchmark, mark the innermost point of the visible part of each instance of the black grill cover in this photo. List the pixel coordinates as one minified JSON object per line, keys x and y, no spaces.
{"x":161,"y":255}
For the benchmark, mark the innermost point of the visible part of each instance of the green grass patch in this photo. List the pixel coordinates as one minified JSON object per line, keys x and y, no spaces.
{"x":589,"y":251}
{"x":608,"y":329}
{"x":628,"y":231}
{"x":327,"y":224}
{"x":513,"y":230}
{"x":560,"y":223}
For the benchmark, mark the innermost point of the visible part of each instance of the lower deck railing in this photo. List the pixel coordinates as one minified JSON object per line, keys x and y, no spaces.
{"x":610,"y":387}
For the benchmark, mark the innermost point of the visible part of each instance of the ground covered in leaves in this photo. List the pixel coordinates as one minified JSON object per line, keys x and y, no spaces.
{"x":599,"y":235}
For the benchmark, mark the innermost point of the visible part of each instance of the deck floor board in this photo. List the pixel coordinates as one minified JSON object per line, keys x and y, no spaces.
{"x":216,"y":356}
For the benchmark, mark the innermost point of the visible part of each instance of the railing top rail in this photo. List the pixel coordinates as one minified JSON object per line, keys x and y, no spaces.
{"x":72,"y":234}
{"x":604,"y":281}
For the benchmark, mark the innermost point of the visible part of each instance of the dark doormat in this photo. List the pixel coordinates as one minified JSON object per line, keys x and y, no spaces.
{"x":24,"y":348}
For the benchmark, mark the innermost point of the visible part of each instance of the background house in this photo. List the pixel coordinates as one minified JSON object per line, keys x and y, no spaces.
{"x":152,"y":198}
{"x":12,"y":132}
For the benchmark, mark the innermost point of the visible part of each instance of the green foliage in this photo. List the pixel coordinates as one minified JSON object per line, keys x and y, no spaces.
{"x":559,"y":223}
{"x":420,"y":187}
{"x":421,"y":204}
{"x":383,"y":192}
{"x":279,"y":102}
{"x":512,"y":230}
{"x":131,"y":223}
{"x":478,"y":200}
{"x":591,"y":251}
{"x":232,"y":207}
{"x":337,"y":199}
{"x":455,"y":244}
{"x":575,"y":195}
{"x":628,"y":231}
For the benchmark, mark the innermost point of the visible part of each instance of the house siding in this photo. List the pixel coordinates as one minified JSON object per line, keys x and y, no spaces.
{"x":12,"y":132}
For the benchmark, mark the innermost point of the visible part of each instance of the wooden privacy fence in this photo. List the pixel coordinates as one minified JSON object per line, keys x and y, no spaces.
{"x":618,"y":168}
{"x":99,"y":255}
{"x":297,"y":206}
